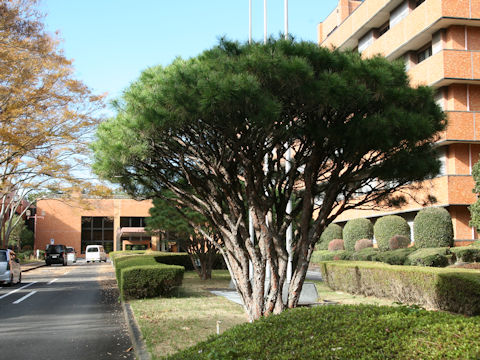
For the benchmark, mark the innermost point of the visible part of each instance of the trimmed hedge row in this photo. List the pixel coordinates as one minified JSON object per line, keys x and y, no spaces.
{"x":346,"y":332}
{"x":141,"y":276}
{"x":150,"y":280}
{"x":455,"y":290}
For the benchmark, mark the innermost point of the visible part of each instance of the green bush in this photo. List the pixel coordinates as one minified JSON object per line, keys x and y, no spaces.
{"x":150,"y":280}
{"x":395,"y":257}
{"x":116,"y":254}
{"x":388,"y":226}
{"x":345,"y":332}
{"x":432,"y":227}
{"x":466,"y":253}
{"x":170,"y":258}
{"x":325,"y":255}
{"x":331,"y":232}
{"x":367,"y":254}
{"x":455,"y":290}
{"x":437,"y":257}
{"x":356,"y":229}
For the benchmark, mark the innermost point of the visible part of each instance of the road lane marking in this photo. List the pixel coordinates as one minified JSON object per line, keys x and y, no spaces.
{"x":25,"y":297}
{"x":51,"y":281}
{"x":20,"y":288}
{"x":68,"y":272}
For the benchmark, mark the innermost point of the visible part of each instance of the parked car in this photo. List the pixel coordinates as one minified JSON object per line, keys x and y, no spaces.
{"x":71,"y":256}
{"x":10,"y":270}
{"x":95,"y":253}
{"x":56,"y":254}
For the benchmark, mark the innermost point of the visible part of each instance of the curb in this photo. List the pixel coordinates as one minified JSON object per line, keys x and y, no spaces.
{"x":33,"y":267}
{"x":139,"y":347}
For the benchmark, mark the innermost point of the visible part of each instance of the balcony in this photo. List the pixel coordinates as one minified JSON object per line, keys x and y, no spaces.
{"x":447,"y":67}
{"x":463,"y":126}
{"x":410,"y":33}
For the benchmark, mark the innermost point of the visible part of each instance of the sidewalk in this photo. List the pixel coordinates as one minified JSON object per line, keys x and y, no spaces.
{"x":233,"y":295}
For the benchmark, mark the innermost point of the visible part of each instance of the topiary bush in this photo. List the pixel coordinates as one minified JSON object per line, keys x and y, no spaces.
{"x":331,"y":232}
{"x":363,"y":244}
{"x":466,"y":253}
{"x":336,"y":244}
{"x":436,"y":257}
{"x":432,"y":227}
{"x":398,"y":242}
{"x":356,"y":229}
{"x":388,"y":226}
{"x":147,"y":281}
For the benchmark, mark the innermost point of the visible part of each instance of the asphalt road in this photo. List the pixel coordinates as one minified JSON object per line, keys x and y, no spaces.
{"x":59,"y":312}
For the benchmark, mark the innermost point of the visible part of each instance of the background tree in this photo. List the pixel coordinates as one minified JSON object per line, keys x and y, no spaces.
{"x":221,"y":121}
{"x":168,"y":216}
{"x":46,"y":115}
{"x":475,"y":207}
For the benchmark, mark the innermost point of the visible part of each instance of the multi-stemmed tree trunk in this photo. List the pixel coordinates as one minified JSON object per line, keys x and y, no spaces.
{"x":213,"y":131}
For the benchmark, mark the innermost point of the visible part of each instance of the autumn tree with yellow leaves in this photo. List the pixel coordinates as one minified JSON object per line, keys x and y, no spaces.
{"x":46,"y":115}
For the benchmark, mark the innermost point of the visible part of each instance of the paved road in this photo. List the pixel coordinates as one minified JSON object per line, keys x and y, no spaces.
{"x":62,"y":312}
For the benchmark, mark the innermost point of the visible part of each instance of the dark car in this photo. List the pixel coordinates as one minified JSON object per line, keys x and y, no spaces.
{"x":56,"y":254}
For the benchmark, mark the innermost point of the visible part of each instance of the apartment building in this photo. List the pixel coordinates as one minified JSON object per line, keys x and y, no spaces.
{"x":439,"y":41}
{"x":116,"y":223}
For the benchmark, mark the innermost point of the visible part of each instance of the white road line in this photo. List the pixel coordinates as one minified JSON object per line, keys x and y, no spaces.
{"x":20,"y":288}
{"x":68,"y":272}
{"x":25,"y":297}
{"x":51,"y":281}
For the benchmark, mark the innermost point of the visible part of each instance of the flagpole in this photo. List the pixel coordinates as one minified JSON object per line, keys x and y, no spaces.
{"x":249,"y":21}
{"x":289,"y":234}
{"x":264,"y":21}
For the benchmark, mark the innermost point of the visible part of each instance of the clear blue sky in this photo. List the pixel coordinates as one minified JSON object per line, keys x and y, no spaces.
{"x":112,"y":41}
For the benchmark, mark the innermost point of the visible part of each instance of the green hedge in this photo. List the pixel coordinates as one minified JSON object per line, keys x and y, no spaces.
{"x":455,"y":290}
{"x":432,"y":227}
{"x":345,"y":332}
{"x":124,"y":262}
{"x":331,"y":232}
{"x":388,"y":226}
{"x":367,"y":254}
{"x":437,"y":257}
{"x":394,"y":257}
{"x":326,"y":255}
{"x":356,"y":229}
{"x":466,"y":253}
{"x":150,"y":280}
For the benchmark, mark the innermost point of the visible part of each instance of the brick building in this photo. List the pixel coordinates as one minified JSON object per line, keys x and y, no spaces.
{"x":439,"y":41}
{"x":115,"y":223}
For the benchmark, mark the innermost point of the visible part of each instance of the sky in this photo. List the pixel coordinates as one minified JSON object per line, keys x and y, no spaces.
{"x":112,"y":41}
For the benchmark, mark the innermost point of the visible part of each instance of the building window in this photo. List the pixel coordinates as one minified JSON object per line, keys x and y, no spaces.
{"x":97,"y":230}
{"x":399,"y":13}
{"x":134,"y":222}
{"x":424,"y":53}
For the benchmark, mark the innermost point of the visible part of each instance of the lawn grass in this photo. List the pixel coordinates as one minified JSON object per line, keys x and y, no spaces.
{"x":189,"y":316}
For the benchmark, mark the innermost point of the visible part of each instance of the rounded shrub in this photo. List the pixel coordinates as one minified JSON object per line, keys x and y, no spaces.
{"x":356,"y":229}
{"x":398,"y":242}
{"x":331,"y":232}
{"x":363,"y":244}
{"x":432,"y":227}
{"x":387,"y":227}
{"x":336,"y":244}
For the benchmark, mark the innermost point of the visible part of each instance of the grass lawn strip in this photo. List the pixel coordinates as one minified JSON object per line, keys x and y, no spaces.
{"x":189,"y":316}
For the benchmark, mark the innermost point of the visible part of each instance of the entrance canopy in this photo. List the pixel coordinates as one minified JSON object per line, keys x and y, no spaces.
{"x":132,"y":231}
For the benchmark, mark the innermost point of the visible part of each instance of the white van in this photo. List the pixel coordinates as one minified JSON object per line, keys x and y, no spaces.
{"x":95,"y":253}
